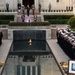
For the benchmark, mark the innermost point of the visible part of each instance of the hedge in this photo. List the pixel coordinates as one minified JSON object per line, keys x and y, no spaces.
{"x":73,"y":29}
{"x":4,"y":22}
{"x":58,"y":21}
{"x":29,"y":24}
{"x":7,"y":17}
{"x":48,"y":17}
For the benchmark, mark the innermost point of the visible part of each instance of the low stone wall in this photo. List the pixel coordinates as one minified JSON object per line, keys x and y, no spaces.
{"x":53,"y":33}
{"x":47,"y":29}
{"x":55,"y":13}
{"x":54,"y":29}
{"x":10,"y":13}
{"x":61,"y":26}
{"x":29,"y":27}
{"x":50,"y":30}
{"x":5,"y":33}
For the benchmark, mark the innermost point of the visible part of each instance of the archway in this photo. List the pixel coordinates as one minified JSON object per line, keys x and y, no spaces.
{"x":26,"y":2}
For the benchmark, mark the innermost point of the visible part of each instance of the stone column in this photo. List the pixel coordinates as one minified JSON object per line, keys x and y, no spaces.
{"x":42,"y":18}
{"x":74,"y":7}
{"x":15,"y":3}
{"x":70,"y":2}
{"x":36,"y":4}
{"x":20,"y":1}
{"x":69,"y":5}
{"x":73,"y":3}
{"x":4,"y":6}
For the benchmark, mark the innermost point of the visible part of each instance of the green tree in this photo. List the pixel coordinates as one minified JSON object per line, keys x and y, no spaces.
{"x":71,"y":22}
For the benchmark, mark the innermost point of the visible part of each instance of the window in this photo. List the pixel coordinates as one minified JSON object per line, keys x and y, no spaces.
{"x":57,"y":0}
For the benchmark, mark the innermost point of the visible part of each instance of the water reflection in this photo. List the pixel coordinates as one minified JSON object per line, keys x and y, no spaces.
{"x":38,"y":61}
{"x":25,"y":46}
{"x":31,"y":65}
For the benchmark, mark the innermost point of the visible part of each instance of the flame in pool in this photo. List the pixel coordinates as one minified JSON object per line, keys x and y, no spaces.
{"x":30,"y":42}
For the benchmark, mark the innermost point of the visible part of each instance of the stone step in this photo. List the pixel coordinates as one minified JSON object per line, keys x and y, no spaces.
{"x":29,"y":18}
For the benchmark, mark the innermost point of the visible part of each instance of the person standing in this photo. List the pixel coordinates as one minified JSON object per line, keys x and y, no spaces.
{"x":28,"y":9}
{"x":33,"y":9}
{"x":19,"y":7}
{"x":35,"y":18}
{"x":7,"y":7}
{"x":49,"y":6}
{"x":23,"y":18}
{"x":39,"y":7}
{"x":23,"y":9}
{"x":1,"y":35}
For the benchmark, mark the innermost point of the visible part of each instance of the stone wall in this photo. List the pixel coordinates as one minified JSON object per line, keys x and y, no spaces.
{"x":53,"y":33}
{"x":12,"y":4}
{"x":44,"y":3}
{"x":55,"y":13}
{"x":29,"y":34}
{"x":54,"y":4}
{"x":54,"y":29}
{"x":5,"y":33}
{"x":10,"y":13}
{"x":10,"y":32}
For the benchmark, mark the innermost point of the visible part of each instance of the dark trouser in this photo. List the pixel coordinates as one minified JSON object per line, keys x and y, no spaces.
{"x":7,"y":9}
{"x":39,"y":10}
{"x":28,"y":13}
{"x":33,"y":12}
{"x":0,"y":41}
{"x":22,"y":20}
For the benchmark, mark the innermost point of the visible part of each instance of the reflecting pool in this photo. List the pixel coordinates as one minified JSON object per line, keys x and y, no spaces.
{"x":27,"y":45}
{"x":38,"y":61}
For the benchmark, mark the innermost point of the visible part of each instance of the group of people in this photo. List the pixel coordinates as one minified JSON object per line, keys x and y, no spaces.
{"x":1,"y":35}
{"x":22,"y":8}
{"x":66,"y":39}
{"x":23,"y":12}
{"x":28,"y":8}
{"x":28,"y":12}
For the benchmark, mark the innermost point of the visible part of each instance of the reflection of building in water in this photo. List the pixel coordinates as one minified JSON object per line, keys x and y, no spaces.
{"x":43,"y":65}
{"x":27,"y":58}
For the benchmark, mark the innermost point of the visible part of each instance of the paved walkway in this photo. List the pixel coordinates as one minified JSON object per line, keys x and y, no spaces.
{"x":58,"y":53}
{"x":4,"y":50}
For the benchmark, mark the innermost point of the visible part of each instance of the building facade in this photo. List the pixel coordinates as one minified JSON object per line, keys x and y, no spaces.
{"x":55,"y":4}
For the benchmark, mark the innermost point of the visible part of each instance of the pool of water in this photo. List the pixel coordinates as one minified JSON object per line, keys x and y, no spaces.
{"x":31,"y":65}
{"x":25,"y":46}
{"x":38,"y":61}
